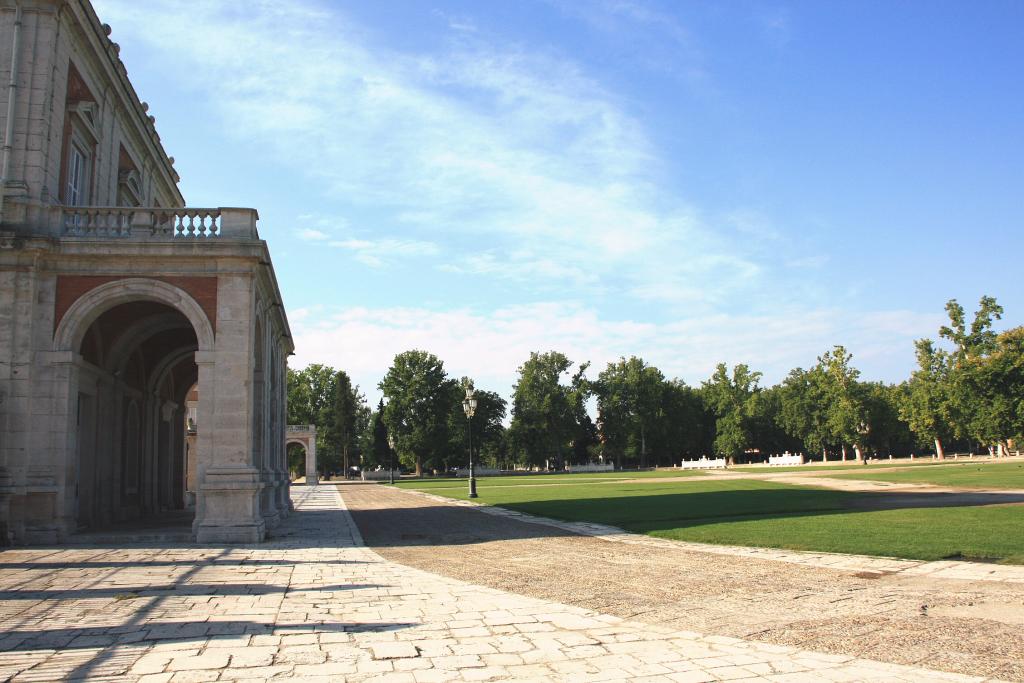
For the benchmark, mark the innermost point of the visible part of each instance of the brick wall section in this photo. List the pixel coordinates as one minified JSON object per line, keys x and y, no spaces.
{"x":71,"y":287}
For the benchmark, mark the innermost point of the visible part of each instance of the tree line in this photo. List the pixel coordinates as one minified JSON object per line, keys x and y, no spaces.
{"x":964,"y":394}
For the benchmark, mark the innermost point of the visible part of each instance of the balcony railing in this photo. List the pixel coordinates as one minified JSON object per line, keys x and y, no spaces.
{"x":176,"y":223}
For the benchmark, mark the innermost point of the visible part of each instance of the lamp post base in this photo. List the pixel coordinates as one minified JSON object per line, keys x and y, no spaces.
{"x":472,"y":487}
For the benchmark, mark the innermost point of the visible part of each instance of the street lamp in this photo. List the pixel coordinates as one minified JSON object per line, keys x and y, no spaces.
{"x":391,"y":458}
{"x":469,"y":405}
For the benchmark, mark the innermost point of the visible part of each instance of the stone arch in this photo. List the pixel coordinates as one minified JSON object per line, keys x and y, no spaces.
{"x":91,"y":305}
{"x":305,"y":436}
{"x":135,"y":334}
{"x":167,"y":364}
{"x":126,"y":449}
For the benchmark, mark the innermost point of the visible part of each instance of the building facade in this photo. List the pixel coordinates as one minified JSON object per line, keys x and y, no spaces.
{"x":143,"y":344}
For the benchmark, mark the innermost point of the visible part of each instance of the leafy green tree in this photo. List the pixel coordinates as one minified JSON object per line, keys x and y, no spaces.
{"x":543,"y":415}
{"x":310,"y":392}
{"x":313,"y":396}
{"x":965,"y":399}
{"x":926,"y":402}
{"x":584,"y":434}
{"x":684,"y":428}
{"x":419,"y":401}
{"x":803,"y":410}
{"x":630,"y":400}
{"x":996,"y":381}
{"x":734,"y":402}
{"x":887,"y":431}
{"x":345,"y":409}
{"x":378,"y":451}
{"x":847,"y":416}
{"x":980,"y":338}
{"x":768,"y":434}
{"x":488,"y":427}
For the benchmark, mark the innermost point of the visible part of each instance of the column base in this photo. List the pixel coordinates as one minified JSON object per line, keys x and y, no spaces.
{"x":229,"y":507}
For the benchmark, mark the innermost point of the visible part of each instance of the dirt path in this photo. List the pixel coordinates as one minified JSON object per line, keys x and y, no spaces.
{"x":966,"y":627}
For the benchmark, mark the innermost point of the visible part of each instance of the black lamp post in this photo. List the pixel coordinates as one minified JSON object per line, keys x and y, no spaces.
{"x":469,"y":405}
{"x":391,"y":459}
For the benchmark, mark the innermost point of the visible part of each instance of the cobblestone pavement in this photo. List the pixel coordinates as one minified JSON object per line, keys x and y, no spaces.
{"x":315,"y":604}
{"x":956,"y":616}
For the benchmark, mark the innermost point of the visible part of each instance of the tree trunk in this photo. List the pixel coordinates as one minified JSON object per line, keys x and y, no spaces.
{"x":844,"y":452}
{"x":939,"y":452}
{"x":344,"y":458}
{"x":419,"y":466}
{"x":643,"y":448}
{"x":858,"y":453}
{"x":824,"y":454}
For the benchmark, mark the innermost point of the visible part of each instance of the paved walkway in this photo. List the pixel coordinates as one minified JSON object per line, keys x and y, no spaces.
{"x":315,"y":604}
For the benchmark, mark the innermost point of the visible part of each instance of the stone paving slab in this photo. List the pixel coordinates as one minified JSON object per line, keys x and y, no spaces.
{"x":941,"y":569}
{"x":315,"y":604}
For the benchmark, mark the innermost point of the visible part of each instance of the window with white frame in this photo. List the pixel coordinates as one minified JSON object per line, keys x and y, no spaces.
{"x":77,"y":165}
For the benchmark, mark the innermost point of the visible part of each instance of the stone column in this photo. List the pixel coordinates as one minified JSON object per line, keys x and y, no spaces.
{"x":311,"y":476}
{"x":228,"y":506}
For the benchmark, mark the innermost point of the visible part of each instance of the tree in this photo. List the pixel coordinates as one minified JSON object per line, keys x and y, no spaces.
{"x":733,"y":401}
{"x":803,"y":411}
{"x":543,"y":416}
{"x":684,"y":427}
{"x":847,"y":417}
{"x":419,"y":399}
{"x":926,"y":403}
{"x":345,"y":408}
{"x":487,"y":424}
{"x":312,"y":399}
{"x":629,"y":399}
{"x":887,"y":431}
{"x":996,"y":380}
{"x":379,"y":451}
{"x":584,"y":434}
{"x":980,"y":339}
{"x":309,"y":394}
{"x":964,"y":397}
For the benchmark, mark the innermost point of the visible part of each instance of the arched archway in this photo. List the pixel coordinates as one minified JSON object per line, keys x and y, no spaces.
{"x":305,"y":436}
{"x":130,"y":357}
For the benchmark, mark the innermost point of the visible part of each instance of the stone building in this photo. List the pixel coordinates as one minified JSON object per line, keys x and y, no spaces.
{"x":121,"y":310}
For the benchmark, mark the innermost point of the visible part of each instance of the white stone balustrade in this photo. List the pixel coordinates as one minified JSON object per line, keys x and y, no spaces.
{"x":703,"y":464}
{"x":158,"y":223}
{"x":786,"y":459}
{"x":478,"y":472}
{"x":591,"y":467}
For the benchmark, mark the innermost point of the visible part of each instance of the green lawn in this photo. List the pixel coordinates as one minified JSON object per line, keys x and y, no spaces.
{"x":764,"y":513}
{"x":541,"y":479}
{"x":1004,"y":475}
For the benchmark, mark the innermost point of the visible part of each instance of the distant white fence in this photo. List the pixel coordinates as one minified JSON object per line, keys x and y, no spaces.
{"x":592,"y":467}
{"x":378,"y":475}
{"x":478,"y":472}
{"x":703,"y":464}
{"x":786,"y":459}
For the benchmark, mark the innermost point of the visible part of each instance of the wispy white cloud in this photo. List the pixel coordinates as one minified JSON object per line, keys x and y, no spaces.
{"x":313,"y":235}
{"x":376,"y":253}
{"x":551,"y":173}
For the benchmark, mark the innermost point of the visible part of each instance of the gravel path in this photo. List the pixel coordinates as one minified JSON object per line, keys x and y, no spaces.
{"x":959,"y":626}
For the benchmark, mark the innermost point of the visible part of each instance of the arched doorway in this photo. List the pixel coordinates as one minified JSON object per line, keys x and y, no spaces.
{"x":131,"y":371}
{"x":304,"y":436}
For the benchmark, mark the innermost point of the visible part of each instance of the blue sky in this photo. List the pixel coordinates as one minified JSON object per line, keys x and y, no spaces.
{"x":689,"y":182}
